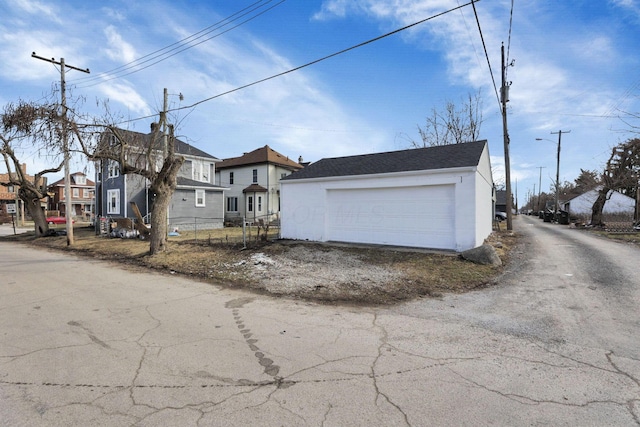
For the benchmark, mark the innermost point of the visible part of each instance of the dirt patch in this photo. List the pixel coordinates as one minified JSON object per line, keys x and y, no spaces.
{"x":313,"y":271}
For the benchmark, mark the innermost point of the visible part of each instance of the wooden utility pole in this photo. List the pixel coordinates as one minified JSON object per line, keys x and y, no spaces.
{"x":65,"y":143}
{"x":504,"y":92}
{"x":560,"y":132}
{"x":540,"y":185}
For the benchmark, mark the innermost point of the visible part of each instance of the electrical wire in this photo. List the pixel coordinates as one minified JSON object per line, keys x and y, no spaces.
{"x":308,"y":63}
{"x":375,"y":39}
{"x":466,"y":25}
{"x":177,"y":47}
{"x":509,"y":38}
{"x":486,"y":54}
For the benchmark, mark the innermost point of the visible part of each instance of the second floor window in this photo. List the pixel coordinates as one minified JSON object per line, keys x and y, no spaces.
{"x":230,"y":177}
{"x":113,"y":202}
{"x":114,"y":169}
{"x":75,"y":192}
{"x":255,"y":176}
{"x":85,"y":193}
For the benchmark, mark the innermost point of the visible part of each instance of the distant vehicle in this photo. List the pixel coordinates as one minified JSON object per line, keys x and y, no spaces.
{"x":501,"y":216}
{"x":58,"y":220}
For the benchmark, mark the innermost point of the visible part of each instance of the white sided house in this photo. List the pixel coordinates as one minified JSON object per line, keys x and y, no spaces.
{"x":437,"y":197}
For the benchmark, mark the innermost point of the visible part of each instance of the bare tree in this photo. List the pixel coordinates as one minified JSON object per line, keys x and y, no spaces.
{"x":453,"y":124}
{"x":39,"y":125}
{"x":621,"y":173}
{"x":151,"y":156}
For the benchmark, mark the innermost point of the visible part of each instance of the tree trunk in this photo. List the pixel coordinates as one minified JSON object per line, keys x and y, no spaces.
{"x":158,"y":235}
{"x":162,"y":188}
{"x":598,"y":207}
{"x":31,"y":201}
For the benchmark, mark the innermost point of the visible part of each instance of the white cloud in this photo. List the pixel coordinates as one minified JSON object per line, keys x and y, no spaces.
{"x":127,"y":96}
{"x":118,"y":49}
{"x":36,"y":8}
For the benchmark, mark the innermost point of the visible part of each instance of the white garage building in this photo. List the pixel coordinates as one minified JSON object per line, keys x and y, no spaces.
{"x":437,"y":197}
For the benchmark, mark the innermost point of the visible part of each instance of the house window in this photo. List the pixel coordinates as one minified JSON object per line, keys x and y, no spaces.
{"x":113,"y":202}
{"x":199,"y":198}
{"x":76,"y":192}
{"x":205,"y":172}
{"x":200,"y":171}
{"x":232,"y":204}
{"x":255,"y":176}
{"x":230,"y":177}
{"x":85,"y":193}
{"x":259,"y":203}
{"x":250,"y":204}
{"x":80,"y":179}
{"x":114,"y":169}
{"x":10,"y":189}
{"x":282,"y":175}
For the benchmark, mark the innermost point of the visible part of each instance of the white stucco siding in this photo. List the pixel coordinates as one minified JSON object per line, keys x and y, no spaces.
{"x":483,"y":199}
{"x":431,"y":209}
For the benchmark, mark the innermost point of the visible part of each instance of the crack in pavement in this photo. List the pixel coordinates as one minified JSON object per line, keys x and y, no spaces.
{"x":383,"y":342}
{"x":270,"y":368}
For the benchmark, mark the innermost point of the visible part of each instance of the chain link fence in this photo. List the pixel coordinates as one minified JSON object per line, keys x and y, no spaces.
{"x":203,"y":230}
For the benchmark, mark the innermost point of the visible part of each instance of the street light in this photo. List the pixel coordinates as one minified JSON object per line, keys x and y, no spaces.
{"x":557,"y":167}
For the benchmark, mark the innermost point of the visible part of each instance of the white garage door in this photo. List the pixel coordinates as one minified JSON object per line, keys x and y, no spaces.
{"x":407,"y":216}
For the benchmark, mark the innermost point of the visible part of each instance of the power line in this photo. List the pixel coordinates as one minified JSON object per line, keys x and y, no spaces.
{"x":326,"y":57}
{"x":510,"y":27}
{"x":177,"y":47}
{"x":486,"y":54}
{"x":309,"y":63}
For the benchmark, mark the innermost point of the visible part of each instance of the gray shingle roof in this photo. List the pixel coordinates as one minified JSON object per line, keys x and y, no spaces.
{"x":144,"y":140}
{"x":439,"y":157}
{"x":186,"y":182}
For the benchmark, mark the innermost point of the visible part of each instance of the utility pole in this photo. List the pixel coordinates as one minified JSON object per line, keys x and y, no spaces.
{"x":163,"y":118}
{"x":560,"y":132}
{"x":65,"y":143}
{"x":540,"y":185}
{"x":504,"y":92}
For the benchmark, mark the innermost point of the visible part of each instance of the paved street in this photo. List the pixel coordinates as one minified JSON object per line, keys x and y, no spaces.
{"x":83,"y":343}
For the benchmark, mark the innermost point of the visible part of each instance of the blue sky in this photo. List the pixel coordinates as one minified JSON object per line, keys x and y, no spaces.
{"x":577,"y":68}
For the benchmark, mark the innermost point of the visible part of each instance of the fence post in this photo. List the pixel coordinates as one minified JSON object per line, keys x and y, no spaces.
{"x":244,"y":232}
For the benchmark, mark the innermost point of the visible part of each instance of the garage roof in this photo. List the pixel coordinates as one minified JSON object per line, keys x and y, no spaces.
{"x":415,"y":159}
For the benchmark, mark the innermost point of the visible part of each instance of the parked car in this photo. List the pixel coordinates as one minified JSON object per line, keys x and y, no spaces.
{"x":58,"y":220}
{"x":501,"y":216}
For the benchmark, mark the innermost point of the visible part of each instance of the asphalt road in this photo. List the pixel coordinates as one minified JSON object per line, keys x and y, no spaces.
{"x":83,"y":343}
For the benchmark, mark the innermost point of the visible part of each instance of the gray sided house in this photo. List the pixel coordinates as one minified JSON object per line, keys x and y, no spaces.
{"x":437,"y":197}
{"x":197,"y":201}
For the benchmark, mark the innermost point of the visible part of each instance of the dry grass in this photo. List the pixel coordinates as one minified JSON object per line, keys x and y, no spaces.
{"x":218,"y":257}
{"x":629,"y":237}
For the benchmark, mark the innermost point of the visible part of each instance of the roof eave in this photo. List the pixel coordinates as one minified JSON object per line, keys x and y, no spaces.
{"x":384,"y":174}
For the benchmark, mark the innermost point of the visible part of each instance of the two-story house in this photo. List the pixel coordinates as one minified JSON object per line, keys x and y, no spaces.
{"x":253,"y":182}
{"x":82,"y":196}
{"x":9,"y":191}
{"x":197,"y":201}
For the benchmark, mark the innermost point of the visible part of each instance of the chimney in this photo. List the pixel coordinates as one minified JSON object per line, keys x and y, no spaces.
{"x":23,"y":168}
{"x":153,"y":126}
{"x":300,"y":160}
